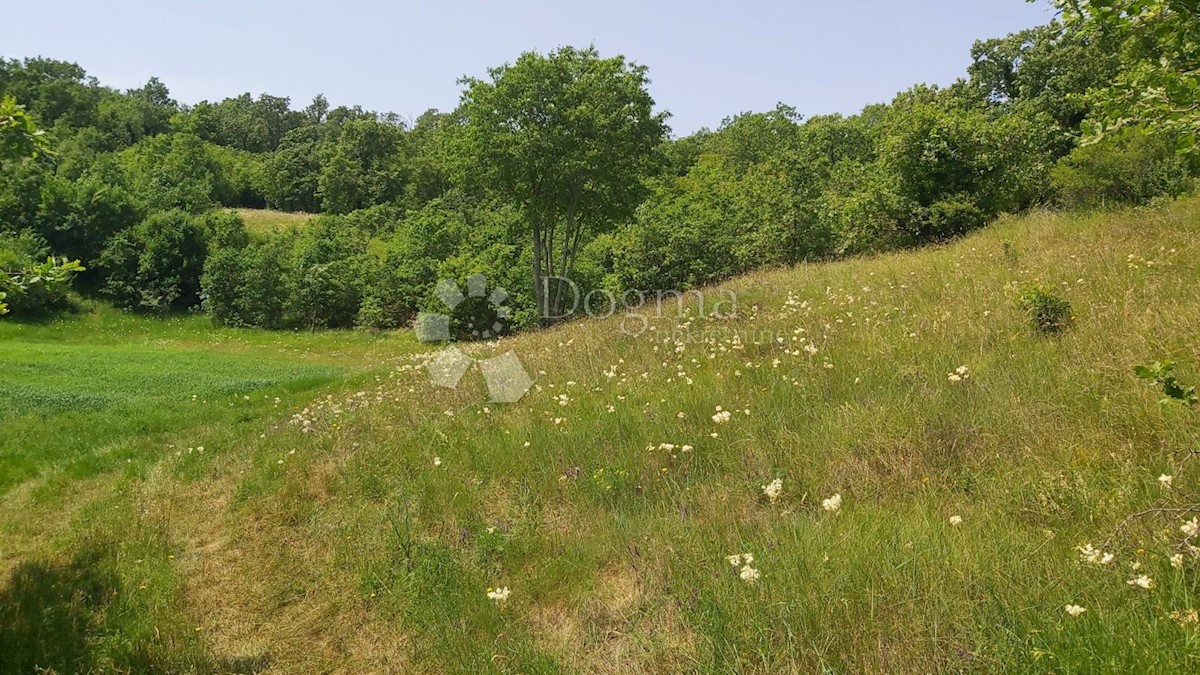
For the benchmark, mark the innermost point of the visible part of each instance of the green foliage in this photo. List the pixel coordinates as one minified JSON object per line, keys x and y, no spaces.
{"x":1127,"y":167}
{"x":567,"y":137}
{"x":1158,"y":84}
{"x":155,"y":266}
{"x":78,"y":217}
{"x":19,"y":136}
{"x":311,"y":279}
{"x":29,"y":286}
{"x":1161,"y":373}
{"x":362,"y":166}
{"x":716,"y":222}
{"x":558,"y":165}
{"x":172,"y":172}
{"x":1048,"y":70}
{"x":1048,"y":310}
{"x":243,"y":123}
{"x":292,"y":173}
{"x":957,"y":167}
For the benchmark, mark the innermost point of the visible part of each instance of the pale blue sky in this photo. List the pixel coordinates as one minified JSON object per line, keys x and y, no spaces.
{"x":707,"y":60}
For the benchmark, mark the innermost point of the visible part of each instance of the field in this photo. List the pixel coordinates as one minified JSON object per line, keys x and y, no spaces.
{"x":180,"y":498}
{"x":264,"y":221}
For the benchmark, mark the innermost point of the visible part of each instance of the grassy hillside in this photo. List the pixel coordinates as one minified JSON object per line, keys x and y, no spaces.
{"x":359,"y":526}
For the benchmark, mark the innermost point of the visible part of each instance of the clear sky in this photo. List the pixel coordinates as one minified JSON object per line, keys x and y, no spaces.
{"x":707,"y":60}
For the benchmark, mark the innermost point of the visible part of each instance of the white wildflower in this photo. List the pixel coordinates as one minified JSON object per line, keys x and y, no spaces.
{"x":749,"y":574}
{"x":1075,"y":610}
{"x":1141,"y":581}
{"x":1190,"y":527}
{"x":1177,"y":561}
{"x":833,"y":503}
{"x":956,"y":520}
{"x":1165,"y":480}
{"x":739,"y":558}
{"x":498,"y":594}
{"x":1090,"y":554}
{"x":773,"y":490}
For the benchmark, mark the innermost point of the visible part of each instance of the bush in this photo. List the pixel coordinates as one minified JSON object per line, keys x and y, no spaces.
{"x":78,"y":217}
{"x":156,"y":266}
{"x":950,"y":217}
{"x":1049,"y":311}
{"x":1127,"y":168}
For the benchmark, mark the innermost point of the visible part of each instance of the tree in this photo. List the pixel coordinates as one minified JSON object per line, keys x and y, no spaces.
{"x":363,"y":167}
{"x":1158,"y":86}
{"x":292,"y":172}
{"x":1049,"y":69}
{"x":568,"y":137}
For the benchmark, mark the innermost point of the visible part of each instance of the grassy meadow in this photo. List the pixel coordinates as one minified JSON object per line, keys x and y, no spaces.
{"x":265,"y":221}
{"x":179,"y":498}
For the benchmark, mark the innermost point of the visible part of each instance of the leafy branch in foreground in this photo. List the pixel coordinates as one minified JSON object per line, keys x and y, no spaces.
{"x":1159,"y":85}
{"x":19,"y":137}
{"x":39,"y":286}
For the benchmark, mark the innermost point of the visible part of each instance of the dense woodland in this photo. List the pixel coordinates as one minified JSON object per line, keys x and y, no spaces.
{"x":559,"y":165}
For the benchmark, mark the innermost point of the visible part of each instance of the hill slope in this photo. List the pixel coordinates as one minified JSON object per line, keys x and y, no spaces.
{"x":365,"y":533}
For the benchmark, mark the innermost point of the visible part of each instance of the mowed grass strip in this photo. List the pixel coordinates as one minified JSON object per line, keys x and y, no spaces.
{"x":87,"y":391}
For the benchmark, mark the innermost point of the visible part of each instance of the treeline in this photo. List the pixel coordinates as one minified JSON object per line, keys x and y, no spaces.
{"x":136,"y":184}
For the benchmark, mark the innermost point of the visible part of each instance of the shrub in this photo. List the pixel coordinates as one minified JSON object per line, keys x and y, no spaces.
{"x":78,"y":217}
{"x":950,"y":217}
{"x":371,"y":315}
{"x":1127,"y":168}
{"x":156,"y":266}
{"x":225,"y":229}
{"x":1049,"y":311}
{"x":223,"y":285}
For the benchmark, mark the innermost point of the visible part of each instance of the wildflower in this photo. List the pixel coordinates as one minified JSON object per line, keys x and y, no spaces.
{"x":1183,"y":618}
{"x":956,"y":520}
{"x":1090,"y":554}
{"x":833,"y":503}
{"x":811,"y":349}
{"x":1165,"y":480}
{"x":773,"y":489}
{"x":498,"y":594}
{"x":738,"y":559}
{"x":437,"y":461}
{"x":1177,"y":561}
{"x":749,"y":574}
{"x":722,"y":417}
{"x":1141,"y":581}
{"x":1190,"y":527}
{"x":1075,"y":610}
